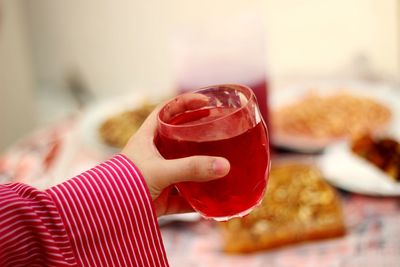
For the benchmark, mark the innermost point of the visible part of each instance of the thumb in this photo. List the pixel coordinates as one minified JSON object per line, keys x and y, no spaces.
{"x":195,"y":169}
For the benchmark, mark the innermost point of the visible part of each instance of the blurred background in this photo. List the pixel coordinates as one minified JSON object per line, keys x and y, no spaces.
{"x":57,"y":55}
{"x":76,"y":77}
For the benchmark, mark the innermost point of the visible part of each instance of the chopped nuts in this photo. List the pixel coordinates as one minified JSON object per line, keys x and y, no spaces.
{"x":335,"y":116}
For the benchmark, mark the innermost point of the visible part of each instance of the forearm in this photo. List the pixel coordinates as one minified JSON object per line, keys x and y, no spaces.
{"x":31,"y":230}
{"x":107,"y":217}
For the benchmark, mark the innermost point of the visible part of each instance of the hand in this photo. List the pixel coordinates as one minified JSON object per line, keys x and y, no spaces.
{"x":160,"y":174}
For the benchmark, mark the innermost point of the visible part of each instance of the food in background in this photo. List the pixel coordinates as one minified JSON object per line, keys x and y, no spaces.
{"x":330,"y":117}
{"x":117,"y":130}
{"x":383,"y":153}
{"x":298,"y":206}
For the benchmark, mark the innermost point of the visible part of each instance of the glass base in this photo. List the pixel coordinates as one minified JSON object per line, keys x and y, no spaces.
{"x":237,"y":215}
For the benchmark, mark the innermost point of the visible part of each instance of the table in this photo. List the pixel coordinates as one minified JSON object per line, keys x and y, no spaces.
{"x":373,"y":239}
{"x":51,"y":155}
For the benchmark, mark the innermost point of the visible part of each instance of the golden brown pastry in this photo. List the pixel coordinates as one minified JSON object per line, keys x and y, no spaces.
{"x":117,"y":130}
{"x":298,"y":206}
{"x":330,"y":117}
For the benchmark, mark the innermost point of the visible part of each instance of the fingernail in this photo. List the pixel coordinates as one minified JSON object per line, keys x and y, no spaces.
{"x":221,"y":167}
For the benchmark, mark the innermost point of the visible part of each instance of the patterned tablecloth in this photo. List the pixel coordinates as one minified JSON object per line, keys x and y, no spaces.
{"x":373,"y":239}
{"x":51,"y":155}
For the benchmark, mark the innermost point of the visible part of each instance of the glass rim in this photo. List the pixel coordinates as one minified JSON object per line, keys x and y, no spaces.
{"x":233,"y":85}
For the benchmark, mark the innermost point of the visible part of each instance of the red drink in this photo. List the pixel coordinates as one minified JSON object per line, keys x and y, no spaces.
{"x":234,"y":131}
{"x":247,"y":177}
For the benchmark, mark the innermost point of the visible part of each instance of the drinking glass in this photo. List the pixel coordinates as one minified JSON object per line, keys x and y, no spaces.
{"x":220,"y":120}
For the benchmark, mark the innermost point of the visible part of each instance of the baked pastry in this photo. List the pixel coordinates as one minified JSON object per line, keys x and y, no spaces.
{"x":117,"y":130}
{"x":330,"y":117}
{"x":298,"y":206}
{"x":383,"y":153}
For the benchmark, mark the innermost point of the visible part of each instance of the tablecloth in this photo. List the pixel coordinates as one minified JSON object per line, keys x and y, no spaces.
{"x":57,"y":152}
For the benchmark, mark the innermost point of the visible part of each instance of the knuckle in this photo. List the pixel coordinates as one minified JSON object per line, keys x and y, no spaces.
{"x":194,"y":167}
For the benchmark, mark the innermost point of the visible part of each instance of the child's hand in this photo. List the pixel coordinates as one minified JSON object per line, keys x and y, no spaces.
{"x":160,"y":174}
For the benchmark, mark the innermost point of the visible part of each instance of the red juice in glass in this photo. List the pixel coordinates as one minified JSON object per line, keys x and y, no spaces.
{"x":228,"y":125}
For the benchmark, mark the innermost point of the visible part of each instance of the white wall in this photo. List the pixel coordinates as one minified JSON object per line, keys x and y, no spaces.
{"x":325,"y":36}
{"x":16,"y":83}
{"x":120,"y":44}
{"x":115,"y":44}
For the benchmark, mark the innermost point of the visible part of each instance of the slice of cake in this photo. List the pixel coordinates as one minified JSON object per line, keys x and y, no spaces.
{"x":383,"y":153}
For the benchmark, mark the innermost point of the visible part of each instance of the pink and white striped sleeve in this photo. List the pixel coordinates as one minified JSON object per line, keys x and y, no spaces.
{"x":103,"y":217}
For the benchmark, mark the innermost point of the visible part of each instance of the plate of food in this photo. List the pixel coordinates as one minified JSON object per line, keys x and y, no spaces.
{"x":309,"y":119}
{"x":366,"y":165}
{"x":107,"y":126}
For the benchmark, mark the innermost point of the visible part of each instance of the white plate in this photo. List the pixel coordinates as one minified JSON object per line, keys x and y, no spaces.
{"x":95,"y":115}
{"x":382,"y":93}
{"x":183,"y":217}
{"x":345,"y":170}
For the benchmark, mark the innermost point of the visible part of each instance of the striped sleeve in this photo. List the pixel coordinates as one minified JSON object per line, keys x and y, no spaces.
{"x":31,"y":230}
{"x":107,"y":218}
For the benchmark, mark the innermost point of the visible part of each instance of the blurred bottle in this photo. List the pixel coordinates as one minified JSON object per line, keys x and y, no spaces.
{"x":224,"y":50}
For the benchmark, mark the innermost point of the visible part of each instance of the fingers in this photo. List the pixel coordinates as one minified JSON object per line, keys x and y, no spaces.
{"x":189,"y":101}
{"x":195,"y":168}
{"x":173,"y":107}
{"x":174,"y":205}
{"x":177,"y":204}
{"x":171,"y":202}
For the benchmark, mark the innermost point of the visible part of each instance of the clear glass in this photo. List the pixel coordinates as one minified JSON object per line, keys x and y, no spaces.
{"x":220,"y":120}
